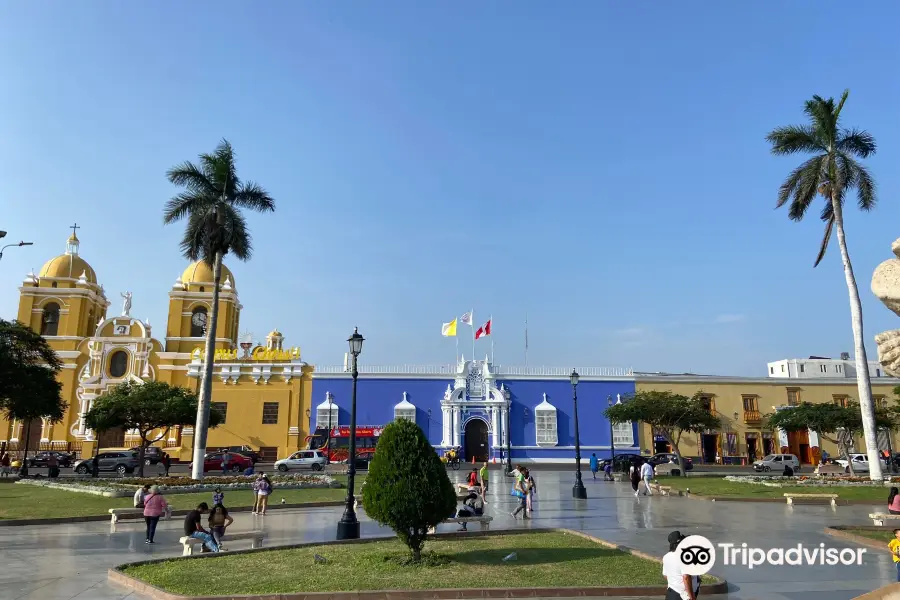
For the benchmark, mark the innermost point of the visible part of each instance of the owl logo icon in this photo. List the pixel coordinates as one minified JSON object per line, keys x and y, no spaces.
{"x":697,"y":555}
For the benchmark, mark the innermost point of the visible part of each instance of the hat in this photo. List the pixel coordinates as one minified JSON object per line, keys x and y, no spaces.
{"x":675,"y":537}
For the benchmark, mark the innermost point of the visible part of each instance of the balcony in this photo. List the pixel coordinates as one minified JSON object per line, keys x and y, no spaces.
{"x":752,"y":416}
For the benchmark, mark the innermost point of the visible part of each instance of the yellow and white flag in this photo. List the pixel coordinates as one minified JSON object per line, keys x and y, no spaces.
{"x":449,"y":329}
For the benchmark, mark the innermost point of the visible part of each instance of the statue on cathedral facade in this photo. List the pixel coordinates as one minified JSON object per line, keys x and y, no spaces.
{"x":126,"y":305}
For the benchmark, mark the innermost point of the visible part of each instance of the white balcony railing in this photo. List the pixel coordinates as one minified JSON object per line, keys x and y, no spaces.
{"x":499,"y":370}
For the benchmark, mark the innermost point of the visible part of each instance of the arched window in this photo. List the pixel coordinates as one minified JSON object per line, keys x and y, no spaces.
{"x":118,"y":363}
{"x":545,"y":430}
{"x":198,"y":322}
{"x":50,"y":319}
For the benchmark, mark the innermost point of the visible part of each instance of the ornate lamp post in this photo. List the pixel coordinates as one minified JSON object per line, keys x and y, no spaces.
{"x":348,"y":526}
{"x":578,"y":490}
{"x":330,"y":426}
{"x":612,"y":440}
{"x":506,"y":395}
{"x":11,"y":245}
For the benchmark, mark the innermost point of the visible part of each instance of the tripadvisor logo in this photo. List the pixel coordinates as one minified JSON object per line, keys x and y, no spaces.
{"x":698,"y":555}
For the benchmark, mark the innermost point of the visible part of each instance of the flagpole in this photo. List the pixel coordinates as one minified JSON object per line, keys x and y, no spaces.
{"x":472,"y":325}
{"x":457,"y":350}
{"x":526,"y":338}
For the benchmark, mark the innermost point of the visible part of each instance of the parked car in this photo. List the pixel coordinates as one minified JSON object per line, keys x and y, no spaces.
{"x":119,"y":462}
{"x":622,"y":462}
{"x":669,"y":457}
{"x":246,"y":451}
{"x":860,"y":463}
{"x":236,"y":462}
{"x":42,"y":459}
{"x":304,"y":459}
{"x":777,"y":463}
{"x":152,"y":454}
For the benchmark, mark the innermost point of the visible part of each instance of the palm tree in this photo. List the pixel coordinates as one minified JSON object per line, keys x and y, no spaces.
{"x":831,"y":173}
{"x":211,"y":201}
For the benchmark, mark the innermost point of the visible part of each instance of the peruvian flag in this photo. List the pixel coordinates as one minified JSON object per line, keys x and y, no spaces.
{"x":484,"y":329}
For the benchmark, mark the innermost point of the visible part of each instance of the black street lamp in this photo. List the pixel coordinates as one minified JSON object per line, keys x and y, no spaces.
{"x":348,"y":526}
{"x":612,"y":440}
{"x":509,"y":468}
{"x":578,"y":490}
{"x":11,"y":245}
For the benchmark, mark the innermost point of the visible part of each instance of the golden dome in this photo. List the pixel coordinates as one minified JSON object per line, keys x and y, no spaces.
{"x":201,"y":273}
{"x":69,"y":265}
{"x":274,"y":333}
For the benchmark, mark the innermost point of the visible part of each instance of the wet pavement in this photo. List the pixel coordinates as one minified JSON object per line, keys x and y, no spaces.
{"x":62,"y":562}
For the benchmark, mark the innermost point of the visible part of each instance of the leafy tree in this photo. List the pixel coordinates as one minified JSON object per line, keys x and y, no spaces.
{"x":828,"y":420}
{"x":151,"y":408}
{"x":831,"y":173}
{"x":28,"y":386}
{"x":211,"y":201}
{"x":407,"y":488}
{"x":668,"y":414}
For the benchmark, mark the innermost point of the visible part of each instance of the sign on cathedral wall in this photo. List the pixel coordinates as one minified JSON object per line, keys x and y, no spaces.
{"x":259,"y":354}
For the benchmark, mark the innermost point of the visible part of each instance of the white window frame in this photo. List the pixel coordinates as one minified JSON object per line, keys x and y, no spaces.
{"x":546,"y":424}
{"x":623,"y":435}
{"x":322,"y":416}
{"x":405,"y":410}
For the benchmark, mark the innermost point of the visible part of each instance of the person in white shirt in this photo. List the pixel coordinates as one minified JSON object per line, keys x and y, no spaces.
{"x":681,"y":586}
{"x":646,"y":476}
{"x":140,"y":495}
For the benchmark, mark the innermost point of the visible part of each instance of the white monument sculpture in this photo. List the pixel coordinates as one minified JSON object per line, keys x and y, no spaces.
{"x":126,"y":305}
{"x":886,"y":287}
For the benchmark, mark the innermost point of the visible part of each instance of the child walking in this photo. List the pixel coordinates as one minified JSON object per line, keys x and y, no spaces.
{"x":531,"y":487}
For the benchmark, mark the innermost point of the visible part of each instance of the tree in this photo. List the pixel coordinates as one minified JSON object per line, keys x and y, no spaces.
{"x":828,"y":420}
{"x":407,"y":488}
{"x":831,"y":173}
{"x":151,"y":409}
{"x":668,"y":414}
{"x":211,"y":201}
{"x":28,"y":386}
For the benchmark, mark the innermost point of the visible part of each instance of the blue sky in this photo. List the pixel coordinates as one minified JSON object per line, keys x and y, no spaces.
{"x":600,"y":166}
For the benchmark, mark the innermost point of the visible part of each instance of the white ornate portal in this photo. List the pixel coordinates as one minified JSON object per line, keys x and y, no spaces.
{"x":474,"y":395}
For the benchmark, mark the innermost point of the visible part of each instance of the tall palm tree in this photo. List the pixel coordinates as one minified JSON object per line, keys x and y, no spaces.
{"x":831,"y":173}
{"x":211,"y":201}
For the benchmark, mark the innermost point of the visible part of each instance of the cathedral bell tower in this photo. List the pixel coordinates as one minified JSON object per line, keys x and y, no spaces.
{"x":190,"y":309}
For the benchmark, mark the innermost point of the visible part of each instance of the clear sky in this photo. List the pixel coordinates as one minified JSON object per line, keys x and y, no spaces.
{"x":599,"y":165}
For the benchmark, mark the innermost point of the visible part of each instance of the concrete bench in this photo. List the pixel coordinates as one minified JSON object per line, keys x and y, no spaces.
{"x":483,"y":520}
{"x":465,"y":486}
{"x":357,"y":499}
{"x":257,"y":536}
{"x":830,"y":470}
{"x":880,"y":518}
{"x":118,"y":513}
{"x":662,"y":490}
{"x":831,"y":497}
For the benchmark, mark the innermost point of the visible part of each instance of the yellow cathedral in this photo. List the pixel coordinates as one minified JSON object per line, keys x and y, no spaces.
{"x":263,"y":390}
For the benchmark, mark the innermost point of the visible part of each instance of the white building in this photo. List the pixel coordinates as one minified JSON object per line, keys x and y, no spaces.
{"x":820,"y":367}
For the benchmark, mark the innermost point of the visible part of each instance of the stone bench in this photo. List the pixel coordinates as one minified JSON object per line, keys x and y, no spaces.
{"x":257,"y":536}
{"x":880,"y":518}
{"x":483,"y":520}
{"x":830,"y":470}
{"x":118,"y":513}
{"x":663,"y":490}
{"x":357,"y":499}
{"x":831,"y":497}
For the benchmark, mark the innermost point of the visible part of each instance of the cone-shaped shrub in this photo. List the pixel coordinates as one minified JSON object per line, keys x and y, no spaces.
{"x":407,"y":488}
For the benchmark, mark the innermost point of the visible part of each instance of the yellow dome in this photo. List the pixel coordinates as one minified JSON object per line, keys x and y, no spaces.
{"x":201,"y":273}
{"x":274,"y":333}
{"x":69,"y":265}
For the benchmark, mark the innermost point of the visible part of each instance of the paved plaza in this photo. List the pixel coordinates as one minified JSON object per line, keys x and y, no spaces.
{"x":61,"y":562}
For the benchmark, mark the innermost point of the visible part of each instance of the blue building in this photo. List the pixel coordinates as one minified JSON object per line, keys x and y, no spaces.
{"x":476,"y":404}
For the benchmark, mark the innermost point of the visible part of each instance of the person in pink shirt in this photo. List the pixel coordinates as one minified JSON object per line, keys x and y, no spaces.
{"x":155,"y":506}
{"x":894,"y":501}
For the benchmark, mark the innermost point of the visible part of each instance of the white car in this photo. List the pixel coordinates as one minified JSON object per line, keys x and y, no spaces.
{"x":777,"y":463}
{"x":860,"y":463}
{"x":304,"y":459}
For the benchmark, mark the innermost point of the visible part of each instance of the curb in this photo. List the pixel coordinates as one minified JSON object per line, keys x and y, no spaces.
{"x":175,"y":513}
{"x":116,"y":576}
{"x":797,"y":501}
{"x":839,"y":532}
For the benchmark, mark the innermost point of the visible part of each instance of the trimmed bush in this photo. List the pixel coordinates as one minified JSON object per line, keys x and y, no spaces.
{"x":407,"y":488}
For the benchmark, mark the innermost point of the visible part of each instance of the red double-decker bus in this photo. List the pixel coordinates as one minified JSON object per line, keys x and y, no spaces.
{"x":335,"y":444}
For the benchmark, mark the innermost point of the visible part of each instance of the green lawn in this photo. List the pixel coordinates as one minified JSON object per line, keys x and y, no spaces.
{"x":33,"y":502}
{"x":710,"y":486}
{"x":550,"y":559}
{"x":885,"y":535}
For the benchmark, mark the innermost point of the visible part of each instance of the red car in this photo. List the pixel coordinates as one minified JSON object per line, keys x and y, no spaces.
{"x":237,"y":463}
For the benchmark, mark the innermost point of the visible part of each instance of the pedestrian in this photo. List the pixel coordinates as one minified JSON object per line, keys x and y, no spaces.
{"x":265,"y":489}
{"x":520,"y":492}
{"x":166,"y":462}
{"x":483,"y":473}
{"x":255,"y":488}
{"x":894,"y":501}
{"x":218,"y":497}
{"x":647,"y":476}
{"x":4,"y":464}
{"x":219,"y":520}
{"x":635,"y":478}
{"x":472,"y":479}
{"x":473,"y":506}
{"x":226,"y":459}
{"x":193,"y":528}
{"x":681,"y":586}
{"x":894,"y":546}
{"x":531,"y":488}
{"x":140,"y":496}
{"x":52,"y":466}
{"x":595,"y":465}
{"x":155,"y":506}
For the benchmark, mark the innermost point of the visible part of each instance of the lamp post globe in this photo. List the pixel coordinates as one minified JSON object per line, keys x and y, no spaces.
{"x":578,"y":490}
{"x":348,"y":526}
